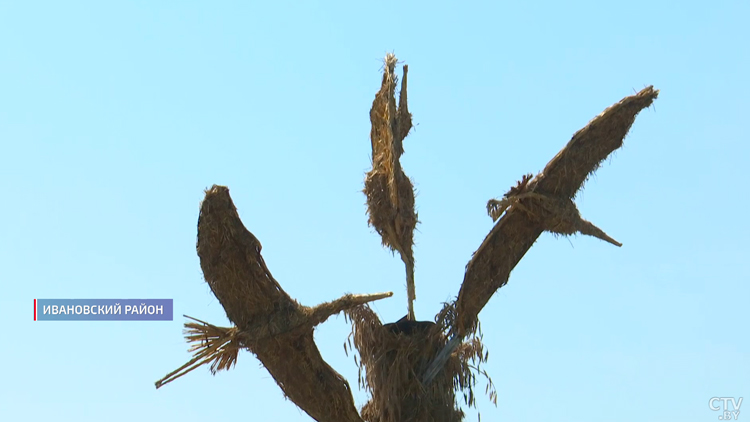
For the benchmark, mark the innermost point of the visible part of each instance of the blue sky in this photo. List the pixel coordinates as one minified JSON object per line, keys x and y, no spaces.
{"x":114,"y":116}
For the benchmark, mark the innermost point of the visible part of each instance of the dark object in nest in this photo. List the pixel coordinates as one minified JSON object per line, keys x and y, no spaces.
{"x":408,"y":327}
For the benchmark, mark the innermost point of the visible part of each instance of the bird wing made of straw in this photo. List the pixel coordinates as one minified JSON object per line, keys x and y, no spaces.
{"x":515,"y":232}
{"x":277,"y":329}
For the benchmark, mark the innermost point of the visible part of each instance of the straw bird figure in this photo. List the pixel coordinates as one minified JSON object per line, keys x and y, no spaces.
{"x":411,"y":369}
{"x":390,"y":194}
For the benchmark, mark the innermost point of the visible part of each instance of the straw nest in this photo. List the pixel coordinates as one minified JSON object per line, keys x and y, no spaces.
{"x":393,"y":356}
{"x":389,"y":192}
{"x":270,"y":324}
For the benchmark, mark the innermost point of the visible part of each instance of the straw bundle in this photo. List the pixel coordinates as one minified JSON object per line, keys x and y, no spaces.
{"x":270,"y":324}
{"x":393,"y":355}
{"x":218,"y":346}
{"x":390,"y":194}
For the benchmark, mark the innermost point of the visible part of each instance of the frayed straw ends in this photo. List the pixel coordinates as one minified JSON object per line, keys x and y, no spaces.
{"x":394,"y":355}
{"x":218,"y":346}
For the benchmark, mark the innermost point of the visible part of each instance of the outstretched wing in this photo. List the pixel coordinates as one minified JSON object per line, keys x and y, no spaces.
{"x":515,"y":232}
{"x":255,"y":302}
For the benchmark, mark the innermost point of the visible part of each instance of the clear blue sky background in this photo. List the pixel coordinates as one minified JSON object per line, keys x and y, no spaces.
{"x":114,"y":116}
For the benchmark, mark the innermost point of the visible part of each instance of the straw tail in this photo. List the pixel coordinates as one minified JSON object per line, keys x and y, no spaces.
{"x":543,"y":203}
{"x":389,"y":192}
{"x":589,"y":229}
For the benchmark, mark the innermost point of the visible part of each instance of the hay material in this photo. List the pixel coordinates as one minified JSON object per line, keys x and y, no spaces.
{"x":393,"y":355}
{"x":516,"y":231}
{"x":413,"y":370}
{"x":558,"y":215}
{"x":270,"y":324}
{"x":390,"y":194}
{"x":218,"y":346}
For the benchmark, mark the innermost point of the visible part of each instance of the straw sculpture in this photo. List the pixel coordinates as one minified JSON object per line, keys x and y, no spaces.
{"x":541,"y":203}
{"x":390,"y":194}
{"x":413,"y":370}
{"x":392,"y":357}
{"x":268,"y":323}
